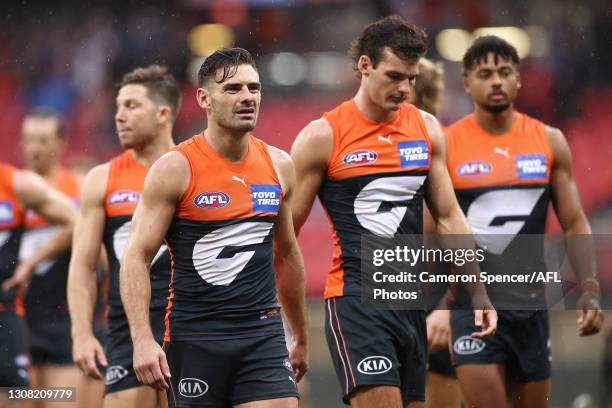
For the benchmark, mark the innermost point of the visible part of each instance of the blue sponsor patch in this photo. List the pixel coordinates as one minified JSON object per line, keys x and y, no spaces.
{"x":6,"y":212}
{"x":531,"y":166}
{"x":413,"y":154}
{"x":266,"y":197}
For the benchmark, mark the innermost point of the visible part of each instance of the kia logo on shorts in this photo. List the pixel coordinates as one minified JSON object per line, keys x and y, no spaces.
{"x":374,"y":365}
{"x":357,"y":157}
{"x":115,"y":374}
{"x":465,"y":345}
{"x":192,"y":387}
{"x":212,"y":199}
{"x":474,"y":168}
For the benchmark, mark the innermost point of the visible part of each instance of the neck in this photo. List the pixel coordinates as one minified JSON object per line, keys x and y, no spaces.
{"x":494,"y":123}
{"x":232,"y":146}
{"x":160,"y":145}
{"x":46,"y":173}
{"x":370,"y":110}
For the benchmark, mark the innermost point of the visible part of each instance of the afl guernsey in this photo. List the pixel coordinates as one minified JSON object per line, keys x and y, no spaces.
{"x":502,"y":185}
{"x":124,"y":186}
{"x":11,"y":231}
{"x":374,"y":184}
{"x":223,"y":280}
{"x":47,"y":289}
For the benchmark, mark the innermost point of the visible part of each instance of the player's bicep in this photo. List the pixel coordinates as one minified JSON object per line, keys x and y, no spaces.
{"x":163,"y":187}
{"x":565,"y":195}
{"x":310,"y":154}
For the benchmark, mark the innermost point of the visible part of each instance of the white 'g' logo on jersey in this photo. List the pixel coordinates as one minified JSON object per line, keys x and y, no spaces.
{"x":120,"y":238}
{"x":498,"y":204}
{"x":223,"y":271}
{"x":385,"y":190}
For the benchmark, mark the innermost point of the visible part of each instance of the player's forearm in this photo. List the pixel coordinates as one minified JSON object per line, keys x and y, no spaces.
{"x":136,"y":296}
{"x":580,"y":247}
{"x":81,"y":292}
{"x":291,"y":292}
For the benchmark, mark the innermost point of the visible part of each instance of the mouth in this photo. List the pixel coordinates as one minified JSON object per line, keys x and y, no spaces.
{"x":397,"y":99}
{"x":498,"y":96}
{"x":246,"y":113}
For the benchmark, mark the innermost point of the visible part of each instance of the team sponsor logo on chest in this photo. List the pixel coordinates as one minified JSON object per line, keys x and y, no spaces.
{"x":474,"y":168}
{"x":531,"y":166}
{"x":266,"y":197}
{"x":414,"y":153}
{"x":212,"y":200}
{"x":360,"y":157}
{"x":124,"y":197}
{"x":6,"y":212}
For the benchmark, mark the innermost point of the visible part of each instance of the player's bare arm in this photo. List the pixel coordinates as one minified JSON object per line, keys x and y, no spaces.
{"x":165,"y":183}
{"x":310,"y":153}
{"x":34,"y":193}
{"x":82,"y":284}
{"x":289,"y":266}
{"x":566,"y":202}
{"x":449,"y":218}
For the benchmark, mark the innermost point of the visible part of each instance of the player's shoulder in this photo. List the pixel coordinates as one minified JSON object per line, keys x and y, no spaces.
{"x":458,"y":126}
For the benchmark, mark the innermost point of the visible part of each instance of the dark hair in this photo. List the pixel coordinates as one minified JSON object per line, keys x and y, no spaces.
{"x":227,"y":58}
{"x":479,"y":50}
{"x":406,"y":40}
{"x":161,"y":85}
{"x":45,"y":113}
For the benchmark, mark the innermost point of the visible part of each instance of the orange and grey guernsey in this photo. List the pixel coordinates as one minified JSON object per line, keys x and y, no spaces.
{"x":502,"y":183}
{"x":47,"y":290}
{"x":123,"y":191}
{"x":11,"y":230}
{"x":375,"y":184}
{"x":223,"y":280}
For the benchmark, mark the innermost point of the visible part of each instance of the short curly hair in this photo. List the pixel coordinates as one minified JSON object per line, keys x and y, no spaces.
{"x":161,"y":85}
{"x":479,"y":50}
{"x":405,"y":39}
{"x":227,"y":58}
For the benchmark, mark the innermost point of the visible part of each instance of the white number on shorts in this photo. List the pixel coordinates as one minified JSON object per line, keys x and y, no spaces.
{"x":395,"y":191}
{"x":120,"y":239}
{"x":485,"y":209}
{"x":223,"y":271}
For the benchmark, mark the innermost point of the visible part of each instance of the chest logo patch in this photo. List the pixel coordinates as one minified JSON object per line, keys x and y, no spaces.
{"x":414,"y":153}
{"x":266,"y":197}
{"x":531,"y":166}
{"x":212,"y":200}
{"x":124,"y":197}
{"x":6,"y":212}
{"x":360,"y":157}
{"x":474,"y":168}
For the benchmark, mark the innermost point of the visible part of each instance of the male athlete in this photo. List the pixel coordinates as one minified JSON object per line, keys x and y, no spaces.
{"x":147,"y":104}
{"x":442,"y":387}
{"x":22,"y":190}
{"x":222,"y":202}
{"x":505,"y":167}
{"x":372,"y":160}
{"x":47,"y":318}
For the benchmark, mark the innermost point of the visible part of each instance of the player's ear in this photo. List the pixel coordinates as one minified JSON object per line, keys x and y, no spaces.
{"x":364,"y":64}
{"x":518,"y":80}
{"x":466,"y":83}
{"x":164,"y":114}
{"x":203,"y":98}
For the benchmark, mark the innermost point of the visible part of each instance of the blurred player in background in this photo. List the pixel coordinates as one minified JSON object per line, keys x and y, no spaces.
{"x":147,"y":104}
{"x":442,"y":388}
{"x":505,"y":168}
{"x":222,"y":202}
{"x":380,"y":191}
{"x":20,"y":191}
{"x":47,"y":318}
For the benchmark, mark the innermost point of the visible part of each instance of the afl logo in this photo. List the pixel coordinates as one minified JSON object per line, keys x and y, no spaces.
{"x":212,"y":199}
{"x":374,"y":365}
{"x":474,"y":168}
{"x":192,"y":387}
{"x":360,"y":157}
{"x":124,"y":197}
